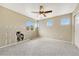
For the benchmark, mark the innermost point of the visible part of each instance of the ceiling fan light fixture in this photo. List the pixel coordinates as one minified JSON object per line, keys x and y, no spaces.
{"x":42,"y":11}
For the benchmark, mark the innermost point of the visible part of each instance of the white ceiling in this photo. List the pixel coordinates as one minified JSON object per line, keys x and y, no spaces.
{"x":27,"y":9}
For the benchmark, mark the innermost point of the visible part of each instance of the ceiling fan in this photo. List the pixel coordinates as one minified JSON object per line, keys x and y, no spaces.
{"x":42,"y":11}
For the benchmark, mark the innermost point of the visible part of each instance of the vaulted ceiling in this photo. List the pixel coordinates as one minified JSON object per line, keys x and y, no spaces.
{"x":27,"y":9}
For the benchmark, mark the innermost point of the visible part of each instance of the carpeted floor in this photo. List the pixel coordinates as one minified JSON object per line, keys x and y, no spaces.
{"x":41,"y":47}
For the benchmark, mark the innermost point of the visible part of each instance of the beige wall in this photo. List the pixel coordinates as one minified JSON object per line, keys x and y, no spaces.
{"x":56,"y":31}
{"x":10,"y":22}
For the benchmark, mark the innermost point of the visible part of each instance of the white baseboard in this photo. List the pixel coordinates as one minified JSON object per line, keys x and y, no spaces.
{"x":14,"y":43}
{"x":58,"y":40}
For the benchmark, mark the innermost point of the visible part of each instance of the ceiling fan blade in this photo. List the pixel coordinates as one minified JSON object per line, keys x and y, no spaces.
{"x":50,"y":11}
{"x":35,"y":12}
{"x":44,"y":14}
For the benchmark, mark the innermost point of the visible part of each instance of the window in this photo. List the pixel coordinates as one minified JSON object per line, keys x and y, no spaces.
{"x":49,"y":23}
{"x":29,"y":25}
{"x":65,"y":21}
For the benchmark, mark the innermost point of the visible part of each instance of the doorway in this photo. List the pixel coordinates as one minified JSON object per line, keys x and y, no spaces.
{"x":77,"y":30}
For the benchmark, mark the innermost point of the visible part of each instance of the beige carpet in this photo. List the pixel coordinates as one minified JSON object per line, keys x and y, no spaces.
{"x":41,"y":47}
